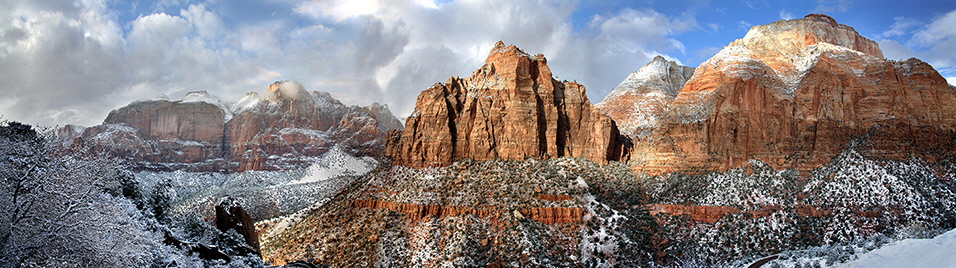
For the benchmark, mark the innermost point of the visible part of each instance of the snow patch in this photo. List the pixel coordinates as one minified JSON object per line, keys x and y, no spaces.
{"x":247,"y":102}
{"x":337,"y":162}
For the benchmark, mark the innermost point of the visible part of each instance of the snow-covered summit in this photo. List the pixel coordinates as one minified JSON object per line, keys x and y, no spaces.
{"x":246,"y":103}
{"x":658,"y":76}
{"x":638,"y":102}
{"x":205,"y":97}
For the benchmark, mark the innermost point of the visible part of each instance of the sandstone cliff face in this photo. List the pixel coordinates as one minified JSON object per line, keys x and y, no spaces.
{"x":638,"y":102}
{"x":510,"y":108}
{"x":793,"y":94}
{"x":287,"y":127}
{"x":163,"y":131}
{"x":290,"y":125}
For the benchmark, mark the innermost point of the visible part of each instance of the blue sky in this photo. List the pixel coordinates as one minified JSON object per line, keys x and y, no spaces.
{"x":71,"y":62}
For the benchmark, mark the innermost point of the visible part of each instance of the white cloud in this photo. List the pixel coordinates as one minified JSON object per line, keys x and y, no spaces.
{"x":48,"y":46}
{"x":744,"y":25}
{"x":784,"y":15}
{"x":895,"y":51}
{"x":951,"y":80}
{"x":454,"y":39}
{"x":69,"y":63}
{"x":206,"y":24}
{"x":833,"y":6}
{"x":939,"y":36}
{"x":73,"y":64}
{"x":901,"y":26}
{"x":713,"y":27}
{"x":340,"y":10}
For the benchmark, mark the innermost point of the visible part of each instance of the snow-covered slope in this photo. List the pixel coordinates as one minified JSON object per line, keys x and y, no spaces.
{"x":264,"y":194}
{"x":937,"y":252}
{"x":638,"y":102}
{"x":337,"y":162}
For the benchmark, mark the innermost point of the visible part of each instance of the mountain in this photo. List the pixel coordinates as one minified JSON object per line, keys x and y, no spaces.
{"x":287,"y":127}
{"x":638,"y":102}
{"x":793,"y":94}
{"x":465,"y":188}
{"x":798,"y":139}
{"x":510,"y":108}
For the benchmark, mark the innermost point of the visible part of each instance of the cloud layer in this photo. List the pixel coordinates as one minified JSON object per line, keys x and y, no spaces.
{"x":71,"y":63}
{"x":933,"y":42}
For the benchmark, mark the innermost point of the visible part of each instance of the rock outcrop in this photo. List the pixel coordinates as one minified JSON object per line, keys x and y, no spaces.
{"x":231,"y":216}
{"x":289,"y":127}
{"x":638,"y":102}
{"x":793,"y":94}
{"x":510,"y":108}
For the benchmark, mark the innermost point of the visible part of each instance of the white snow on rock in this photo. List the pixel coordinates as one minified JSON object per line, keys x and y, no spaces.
{"x":247,"y":102}
{"x":337,"y":162}
{"x":203,"y":96}
{"x":936,"y":252}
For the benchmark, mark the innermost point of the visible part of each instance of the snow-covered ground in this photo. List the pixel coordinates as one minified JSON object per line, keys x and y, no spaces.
{"x":335,"y":163}
{"x":264,"y":194}
{"x":937,"y":252}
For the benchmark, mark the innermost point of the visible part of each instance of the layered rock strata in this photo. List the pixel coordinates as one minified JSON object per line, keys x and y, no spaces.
{"x":793,"y":94}
{"x":510,"y":108}
{"x":287,"y":127}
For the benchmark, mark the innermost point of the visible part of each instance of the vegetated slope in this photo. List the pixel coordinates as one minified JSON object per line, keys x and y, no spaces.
{"x":560,"y":212}
{"x":742,"y":214}
{"x":64,"y":209}
{"x":263,"y":194}
{"x":288,"y":127}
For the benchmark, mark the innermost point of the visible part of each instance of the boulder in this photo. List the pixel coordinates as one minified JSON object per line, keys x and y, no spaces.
{"x":231,"y":216}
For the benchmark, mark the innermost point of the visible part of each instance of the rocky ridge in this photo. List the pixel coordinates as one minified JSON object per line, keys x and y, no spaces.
{"x":510,"y":108}
{"x":638,"y":102}
{"x":286,"y":127}
{"x":793,"y":94}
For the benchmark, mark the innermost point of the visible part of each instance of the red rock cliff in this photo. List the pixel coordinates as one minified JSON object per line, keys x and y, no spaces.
{"x":510,"y":108}
{"x":793,"y":94}
{"x":287,"y":128}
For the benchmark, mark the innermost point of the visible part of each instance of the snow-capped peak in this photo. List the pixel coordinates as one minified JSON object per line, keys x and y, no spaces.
{"x":246,"y":103}
{"x":657,"y":76}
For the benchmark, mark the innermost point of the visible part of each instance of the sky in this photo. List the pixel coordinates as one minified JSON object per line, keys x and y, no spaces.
{"x":72,"y":62}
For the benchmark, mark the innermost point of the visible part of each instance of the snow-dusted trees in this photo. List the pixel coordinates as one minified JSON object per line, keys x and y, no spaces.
{"x":58,"y":210}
